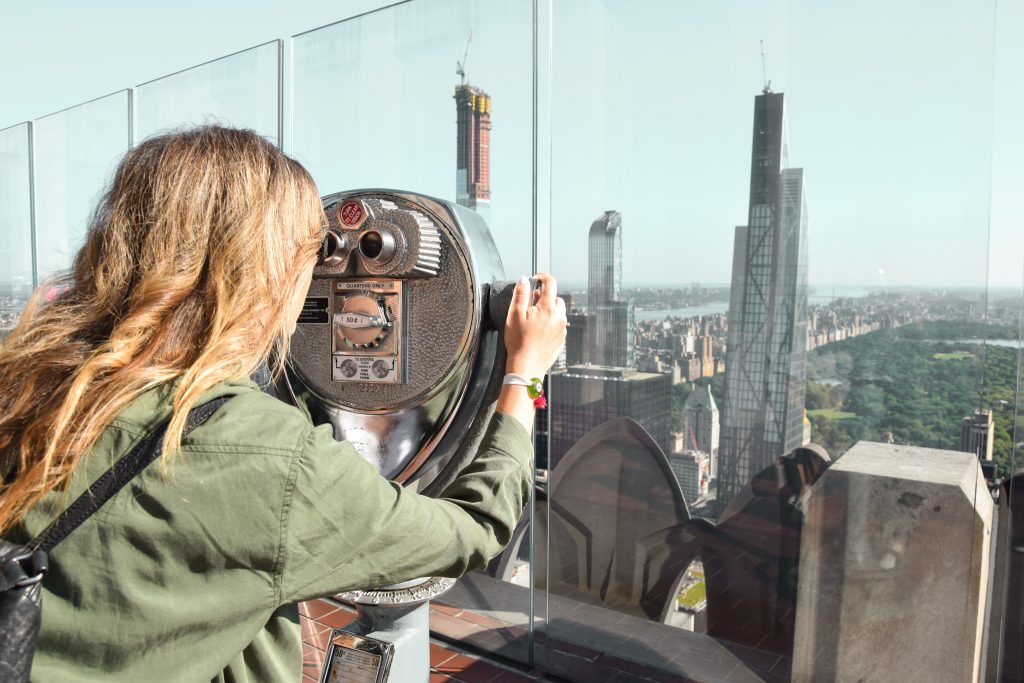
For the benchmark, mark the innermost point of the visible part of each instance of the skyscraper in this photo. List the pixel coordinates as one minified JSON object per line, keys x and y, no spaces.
{"x":613,"y":318}
{"x":977,"y":432}
{"x":585,"y":396}
{"x":604,"y":265}
{"x":693,"y":472}
{"x":707,"y":358}
{"x":767,"y":341}
{"x":473,"y":148}
{"x":579,"y":338}
{"x":701,"y":425}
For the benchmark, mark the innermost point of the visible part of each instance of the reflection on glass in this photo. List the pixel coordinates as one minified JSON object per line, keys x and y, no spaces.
{"x":429,"y":97}
{"x":714,"y":375}
{"x":75,"y":151}
{"x":434,"y":98}
{"x":240,"y":90}
{"x":1004,"y":312}
{"x":748,"y":358}
{"x":15,"y":223}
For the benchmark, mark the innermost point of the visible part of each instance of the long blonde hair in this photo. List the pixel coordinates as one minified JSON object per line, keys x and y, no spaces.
{"x":188,"y":273}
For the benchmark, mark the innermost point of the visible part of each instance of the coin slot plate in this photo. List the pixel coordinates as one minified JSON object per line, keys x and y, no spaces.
{"x":367,"y":331}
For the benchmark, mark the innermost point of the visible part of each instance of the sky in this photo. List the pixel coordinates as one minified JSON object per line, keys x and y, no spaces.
{"x":890,"y":113}
{"x":903,"y":115}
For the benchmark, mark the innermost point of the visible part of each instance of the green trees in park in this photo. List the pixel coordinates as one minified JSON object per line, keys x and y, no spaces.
{"x":915,"y":384}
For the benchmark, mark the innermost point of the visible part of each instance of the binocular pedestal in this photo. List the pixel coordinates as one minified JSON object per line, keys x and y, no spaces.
{"x":390,"y":639}
{"x":398,"y":348}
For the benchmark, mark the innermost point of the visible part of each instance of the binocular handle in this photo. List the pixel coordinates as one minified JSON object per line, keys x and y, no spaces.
{"x":500,"y":298}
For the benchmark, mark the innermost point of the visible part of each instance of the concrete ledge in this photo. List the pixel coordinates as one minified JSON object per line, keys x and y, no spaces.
{"x":894,"y":568}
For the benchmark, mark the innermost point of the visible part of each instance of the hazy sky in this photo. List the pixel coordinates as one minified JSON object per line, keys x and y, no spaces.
{"x":890,"y":113}
{"x":892,"y":110}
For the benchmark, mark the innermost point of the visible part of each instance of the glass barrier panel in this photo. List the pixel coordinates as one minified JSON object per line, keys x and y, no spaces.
{"x":1005,"y":651}
{"x":774,"y":254}
{"x":375,"y":102}
{"x":15,"y":223}
{"x":434,"y":98}
{"x":75,"y":152}
{"x":240,"y":90}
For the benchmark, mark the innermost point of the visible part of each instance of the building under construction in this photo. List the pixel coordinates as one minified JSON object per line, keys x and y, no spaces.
{"x":473,"y":150}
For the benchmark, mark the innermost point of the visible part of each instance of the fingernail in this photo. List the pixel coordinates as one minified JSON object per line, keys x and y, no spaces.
{"x":523,"y":280}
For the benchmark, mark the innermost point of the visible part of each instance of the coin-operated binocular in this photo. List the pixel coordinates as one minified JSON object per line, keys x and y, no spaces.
{"x":399,"y":348}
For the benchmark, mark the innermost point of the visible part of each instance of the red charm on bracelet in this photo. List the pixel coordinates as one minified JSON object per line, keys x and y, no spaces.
{"x":536,"y":391}
{"x":534,"y":388}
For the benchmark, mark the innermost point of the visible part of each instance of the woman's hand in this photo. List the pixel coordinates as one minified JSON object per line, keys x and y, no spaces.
{"x":534,"y":336}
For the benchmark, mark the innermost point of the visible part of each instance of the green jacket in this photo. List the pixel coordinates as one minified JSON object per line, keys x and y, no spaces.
{"x":195,"y":576}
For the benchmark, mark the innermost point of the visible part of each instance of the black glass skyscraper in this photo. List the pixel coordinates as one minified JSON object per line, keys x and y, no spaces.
{"x":765,"y":368}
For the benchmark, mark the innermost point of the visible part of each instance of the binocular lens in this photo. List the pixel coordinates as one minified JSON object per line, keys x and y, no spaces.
{"x":334,"y":249}
{"x":331,"y":244}
{"x":377,"y":246}
{"x":371,"y":245}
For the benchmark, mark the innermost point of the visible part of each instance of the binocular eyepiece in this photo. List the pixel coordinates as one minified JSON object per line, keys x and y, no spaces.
{"x":375,"y":236}
{"x":375,"y":246}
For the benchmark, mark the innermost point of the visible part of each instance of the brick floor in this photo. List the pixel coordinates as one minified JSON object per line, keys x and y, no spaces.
{"x":452,"y":664}
{"x":447,"y":663}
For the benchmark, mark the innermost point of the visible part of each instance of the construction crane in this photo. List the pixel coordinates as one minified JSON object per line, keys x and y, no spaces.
{"x":460,"y":67}
{"x":764,"y":70}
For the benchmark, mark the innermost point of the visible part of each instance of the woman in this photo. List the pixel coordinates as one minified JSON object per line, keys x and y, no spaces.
{"x":193,"y":272}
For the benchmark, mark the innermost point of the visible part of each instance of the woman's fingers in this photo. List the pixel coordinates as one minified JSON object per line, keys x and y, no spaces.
{"x":520,"y":298}
{"x":549,"y":290}
{"x":535,"y":334}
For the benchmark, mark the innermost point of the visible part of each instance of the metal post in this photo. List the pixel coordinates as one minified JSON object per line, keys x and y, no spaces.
{"x":399,"y":615}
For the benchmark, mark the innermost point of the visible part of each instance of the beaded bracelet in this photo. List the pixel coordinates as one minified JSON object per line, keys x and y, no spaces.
{"x":534,"y":388}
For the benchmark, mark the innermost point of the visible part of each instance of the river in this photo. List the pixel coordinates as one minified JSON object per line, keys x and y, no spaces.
{"x":1009,"y":343}
{"x":820,"y":295}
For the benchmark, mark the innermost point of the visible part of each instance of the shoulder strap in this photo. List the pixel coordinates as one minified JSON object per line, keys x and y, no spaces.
{"x":114,"y":479}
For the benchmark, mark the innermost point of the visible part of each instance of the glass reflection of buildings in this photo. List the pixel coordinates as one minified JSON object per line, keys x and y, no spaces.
{"x":763,"y":415}
{"x":586,"y":396}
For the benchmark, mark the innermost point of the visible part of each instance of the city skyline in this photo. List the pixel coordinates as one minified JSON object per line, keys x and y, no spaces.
{"x":648,"y":130}
{"x":929,"y":201}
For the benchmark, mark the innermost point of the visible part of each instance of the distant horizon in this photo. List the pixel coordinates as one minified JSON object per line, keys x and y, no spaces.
{"x":563,"y":284}
{"x":900,"y":191}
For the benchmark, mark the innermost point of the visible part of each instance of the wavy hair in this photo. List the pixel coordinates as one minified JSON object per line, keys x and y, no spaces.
{"x":188,"y":274}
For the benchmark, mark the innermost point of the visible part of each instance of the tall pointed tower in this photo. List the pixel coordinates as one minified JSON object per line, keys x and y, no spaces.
{"x":765,"y":368}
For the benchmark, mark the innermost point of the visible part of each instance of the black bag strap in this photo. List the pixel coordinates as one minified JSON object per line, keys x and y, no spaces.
{"x":114,"y":479}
